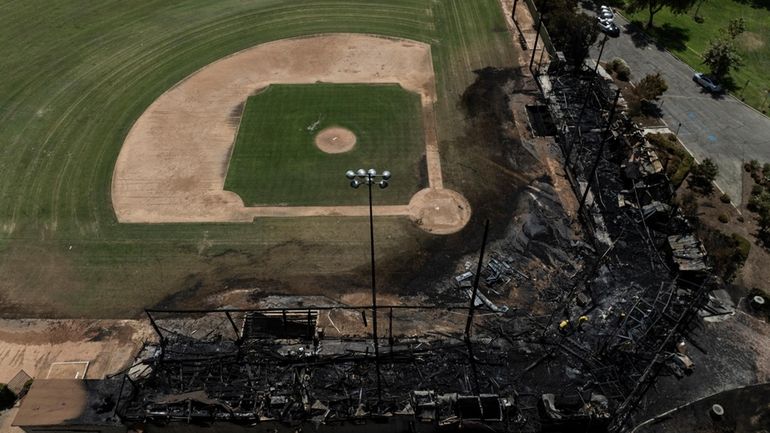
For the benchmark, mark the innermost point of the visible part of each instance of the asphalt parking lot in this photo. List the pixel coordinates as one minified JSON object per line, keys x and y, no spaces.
{"x":719,"y":127}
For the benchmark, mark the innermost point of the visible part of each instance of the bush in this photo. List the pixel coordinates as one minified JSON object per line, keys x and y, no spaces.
{"x":620,"y":68}
{"x":728,"y":253}
{"x":756,"y":190}
{"x":724,"y":219}
{"x":703,"y":176}
{"x":743,"y":247}
{"x":754,"y":165}
{"x":741,"y":219}
{"x":724,"y":198}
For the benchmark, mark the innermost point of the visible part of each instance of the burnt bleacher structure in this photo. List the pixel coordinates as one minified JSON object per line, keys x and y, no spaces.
{"x":277,"y":369}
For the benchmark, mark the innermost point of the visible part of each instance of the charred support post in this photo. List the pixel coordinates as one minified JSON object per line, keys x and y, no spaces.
{"x":235,"y":328}
{"x":599,"y":58}
{"x":155,"y":326}
{"x":390,"y":330}
{"x":537,"y":37}
{"x":476,"y":277}
{"x":513,"y":11}
{"x":605,"y":137}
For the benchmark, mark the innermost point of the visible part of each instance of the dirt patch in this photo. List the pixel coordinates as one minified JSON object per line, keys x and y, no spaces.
{"x":335,"y":140}
{"x":439,"y":211}
{"x":61,"y":348}
{"x":173,"y":163}
{"x":751,"y":41}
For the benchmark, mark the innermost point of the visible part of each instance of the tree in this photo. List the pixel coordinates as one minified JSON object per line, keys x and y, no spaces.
{"x":651,"y":87}
{"x":654,"y":6}
{"x":764,"y":225}
{"x":642,"y":97}
{"x":720,"y":57}
{"x":735,"y":27}
{"x":573,"y":34}
{"x":703,"y":176}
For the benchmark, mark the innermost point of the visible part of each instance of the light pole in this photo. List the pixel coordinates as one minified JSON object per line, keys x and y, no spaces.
{"x":369,"y":177}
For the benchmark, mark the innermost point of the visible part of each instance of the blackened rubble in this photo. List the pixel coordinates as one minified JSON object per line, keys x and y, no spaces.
{"x":577,"y":318}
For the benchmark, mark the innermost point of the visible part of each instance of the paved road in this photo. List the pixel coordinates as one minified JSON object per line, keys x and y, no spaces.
{"x":720,"y":128}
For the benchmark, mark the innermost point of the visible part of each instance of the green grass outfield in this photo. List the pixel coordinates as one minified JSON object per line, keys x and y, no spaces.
{"x":686,"y":38}
{"x":276,"y":162}
{"x":75,"y":77}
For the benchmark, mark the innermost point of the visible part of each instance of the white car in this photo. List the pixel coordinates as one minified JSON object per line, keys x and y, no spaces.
{"x":605,"y":12}
{"x":707,"y":82}
{"x":608,"y":27}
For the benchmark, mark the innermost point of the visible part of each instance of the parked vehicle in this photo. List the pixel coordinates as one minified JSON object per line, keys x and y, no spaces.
{"x":707,"y":82}
{"x":606,"y":12}
{"x":608,"y":27}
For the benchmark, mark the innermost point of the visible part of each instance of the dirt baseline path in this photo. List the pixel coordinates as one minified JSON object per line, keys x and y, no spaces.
{"x":174,"y":161}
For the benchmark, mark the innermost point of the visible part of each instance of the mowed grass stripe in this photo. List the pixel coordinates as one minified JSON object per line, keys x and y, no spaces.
{"x":275,"y":161}
{"x":115,"y":59}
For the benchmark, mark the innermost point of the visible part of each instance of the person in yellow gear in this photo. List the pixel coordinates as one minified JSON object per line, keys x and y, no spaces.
{"x":564,"y":325}
{"x":581,"y":321}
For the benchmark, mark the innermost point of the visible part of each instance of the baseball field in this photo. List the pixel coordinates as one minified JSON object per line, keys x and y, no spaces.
{"x":121,"y":190}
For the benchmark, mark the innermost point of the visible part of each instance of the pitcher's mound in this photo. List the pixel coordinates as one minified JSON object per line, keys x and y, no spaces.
{"x":335,"y":140}
{"x":439,"y":211}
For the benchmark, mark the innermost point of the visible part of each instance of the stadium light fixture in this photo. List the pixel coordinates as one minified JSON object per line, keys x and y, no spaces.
{"x":370,"y":177}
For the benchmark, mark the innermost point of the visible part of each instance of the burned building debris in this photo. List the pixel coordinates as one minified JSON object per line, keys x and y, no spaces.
{"x":611,"y":312}
{"x":601,"y":330}
{"x":272,"y":369}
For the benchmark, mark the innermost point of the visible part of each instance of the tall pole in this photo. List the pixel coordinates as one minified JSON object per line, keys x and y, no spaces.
{"x":537,"y":37}
{"x":601,"y":50}
{"x":476,"y":283}
{"x":599,"y":153}
{"x":356,"y":179}
{"x":374,"y":293}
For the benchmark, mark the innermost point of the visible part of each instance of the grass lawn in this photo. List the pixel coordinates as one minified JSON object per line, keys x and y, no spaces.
{"x":275,"y":161}
{"x":76,"y":77}
{"x":682,"y":35}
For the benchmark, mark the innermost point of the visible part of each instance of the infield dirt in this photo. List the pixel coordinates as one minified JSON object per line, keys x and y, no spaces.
{"x":173,"y":163}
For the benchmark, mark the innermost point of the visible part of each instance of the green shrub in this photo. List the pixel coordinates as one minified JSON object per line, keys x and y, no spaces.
{"x":724,"y":219}
{"x":741,"y":219}
{"x":743,"y":247}
{"x":703,"y":176}
{"x":724,"y":198}
{"x":756,"y":190}
{"x":727,"y":252}
{"x":620,"y":68}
